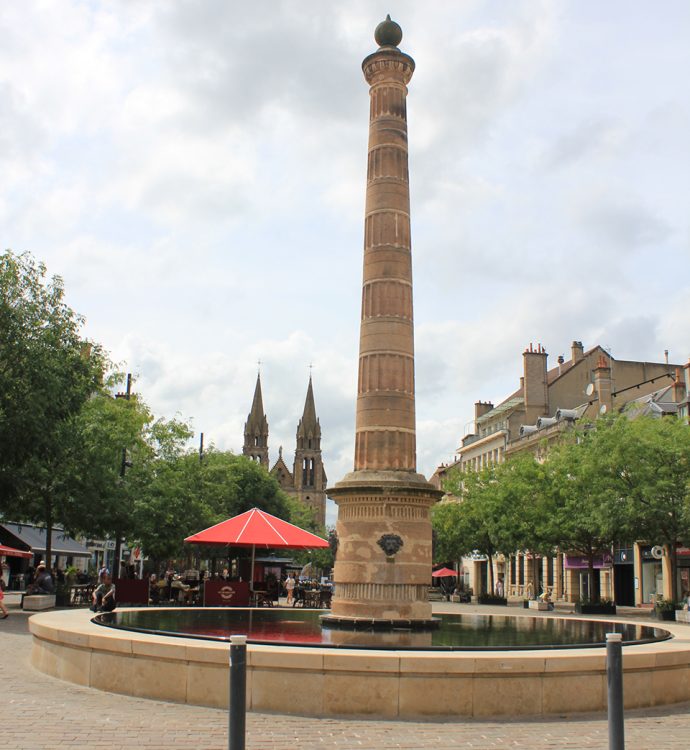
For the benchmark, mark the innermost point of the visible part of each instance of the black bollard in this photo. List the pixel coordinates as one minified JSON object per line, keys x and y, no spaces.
{"x":614,"y":676}
{"x":238,"y":692}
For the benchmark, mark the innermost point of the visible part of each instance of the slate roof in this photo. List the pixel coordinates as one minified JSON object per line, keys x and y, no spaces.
{"x":34,"y":538}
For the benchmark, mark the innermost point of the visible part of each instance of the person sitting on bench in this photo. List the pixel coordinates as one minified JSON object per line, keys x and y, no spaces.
{"x":43,"y":583}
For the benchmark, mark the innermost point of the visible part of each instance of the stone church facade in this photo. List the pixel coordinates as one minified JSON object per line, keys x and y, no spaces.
{"x":307,"y":479}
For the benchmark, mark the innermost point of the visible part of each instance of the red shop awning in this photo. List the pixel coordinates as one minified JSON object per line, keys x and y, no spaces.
{"x":12,"y":552}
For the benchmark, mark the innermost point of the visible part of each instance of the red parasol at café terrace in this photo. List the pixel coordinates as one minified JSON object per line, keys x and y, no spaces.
{"x":444,"y":573}
{"x":256,"y":528}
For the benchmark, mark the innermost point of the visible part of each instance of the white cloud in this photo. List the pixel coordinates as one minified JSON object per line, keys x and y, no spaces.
{"x":196,"y":174}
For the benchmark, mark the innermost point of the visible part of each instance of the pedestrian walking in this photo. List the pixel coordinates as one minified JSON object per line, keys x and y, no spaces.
{"x":3,"y":608}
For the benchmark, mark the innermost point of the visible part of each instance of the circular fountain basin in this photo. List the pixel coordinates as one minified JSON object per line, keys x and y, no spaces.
{"x":453,"y":632}
{"x":386,"y":680}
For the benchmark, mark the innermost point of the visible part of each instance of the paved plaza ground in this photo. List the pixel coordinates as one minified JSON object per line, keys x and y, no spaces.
{"x":38,"y":712}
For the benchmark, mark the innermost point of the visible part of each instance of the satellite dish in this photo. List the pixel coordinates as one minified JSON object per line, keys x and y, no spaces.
{"x":657,"y":552}
{"x":589,"y":390}
{"x":603,"y":409}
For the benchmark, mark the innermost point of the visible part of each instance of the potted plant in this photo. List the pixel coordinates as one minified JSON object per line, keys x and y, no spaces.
{"x":665,"y":609}
{"x":601,"y":607}
{"x":63,"y":590}
{"x":486,"y":598}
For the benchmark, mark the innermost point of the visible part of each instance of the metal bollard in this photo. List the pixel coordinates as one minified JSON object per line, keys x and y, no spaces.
{"x":238,"y":692}
{"x":614,"y":676}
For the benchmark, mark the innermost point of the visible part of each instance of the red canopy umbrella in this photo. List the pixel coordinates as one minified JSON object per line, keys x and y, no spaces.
{"x":444,"y":573}
{"x":12,"y":552}
{"x":256,"y":528}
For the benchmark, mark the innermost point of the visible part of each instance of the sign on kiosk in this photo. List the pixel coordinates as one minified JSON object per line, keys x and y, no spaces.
{"x":226,"y":594}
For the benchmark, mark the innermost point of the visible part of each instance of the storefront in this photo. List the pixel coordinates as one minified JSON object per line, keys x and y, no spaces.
{"x":683,"y":571}
{"x":651,"y":579}
{"x":576,"y":569}
{"x":65,"y":550}
{"x":624,"y":576}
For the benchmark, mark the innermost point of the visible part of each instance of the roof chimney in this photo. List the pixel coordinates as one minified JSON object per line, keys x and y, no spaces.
{"x":481,"y":408}
{"x":561,"y":362}
{"x":679,"y":389}
{"x":603,"y":384}
{"x":577,"y":351}
{"x":534,"y":384}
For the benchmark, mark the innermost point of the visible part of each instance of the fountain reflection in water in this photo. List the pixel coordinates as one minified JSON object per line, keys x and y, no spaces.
{"x":456,"y":632}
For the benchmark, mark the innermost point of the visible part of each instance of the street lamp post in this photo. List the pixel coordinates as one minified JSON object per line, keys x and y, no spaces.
{"x":124,"y":465}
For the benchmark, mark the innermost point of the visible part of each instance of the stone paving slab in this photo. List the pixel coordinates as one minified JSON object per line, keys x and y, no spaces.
{"x":38,"y":712}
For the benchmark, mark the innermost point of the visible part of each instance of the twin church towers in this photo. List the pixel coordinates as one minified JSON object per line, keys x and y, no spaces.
{"x":307,"y":480}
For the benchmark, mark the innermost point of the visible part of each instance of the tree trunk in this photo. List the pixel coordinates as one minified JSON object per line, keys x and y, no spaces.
{"x":118,"y":553}
{"x":591,"y":593}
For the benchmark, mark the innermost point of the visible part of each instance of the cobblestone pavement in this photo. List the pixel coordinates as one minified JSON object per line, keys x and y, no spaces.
{"x":38,"y":712}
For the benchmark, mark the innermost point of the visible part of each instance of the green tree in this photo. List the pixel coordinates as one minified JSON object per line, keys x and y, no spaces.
{"x":647,"y":463}
{"x":501,"y":508}
{"x":47,"y":373}
{"x":152,"y":496}
{"x":588,"y":515}
{"x":169,"y":501}
{"x":528,"y":509}
{"x":476,"y":522}
{"x":99,"y":499}
{"x":187,"y":495}
{"x":233,"y":484}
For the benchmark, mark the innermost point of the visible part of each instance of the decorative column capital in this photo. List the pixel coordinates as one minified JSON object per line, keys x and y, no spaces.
{"x":388,"y":65}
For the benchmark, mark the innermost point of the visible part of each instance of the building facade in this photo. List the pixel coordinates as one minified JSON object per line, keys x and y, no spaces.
{"x":307,"y":480}
{"x":547,"y":402}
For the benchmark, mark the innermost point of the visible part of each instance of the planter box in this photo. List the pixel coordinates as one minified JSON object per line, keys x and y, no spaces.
{"x":665,"y":614}
{"x":37,"y":602}
{"x":682,"y":615}
{"x":496,"y":601}
{"x":541,"y":606}
{"x":595,"y":609}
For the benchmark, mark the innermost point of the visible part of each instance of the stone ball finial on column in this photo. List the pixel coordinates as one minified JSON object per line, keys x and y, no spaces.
{"x":388,"y":33}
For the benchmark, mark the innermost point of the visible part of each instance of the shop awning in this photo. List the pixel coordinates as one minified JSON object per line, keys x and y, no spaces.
{"x":34,"y":538}
{"x":12,"y":552}
{"x":580,"y":561}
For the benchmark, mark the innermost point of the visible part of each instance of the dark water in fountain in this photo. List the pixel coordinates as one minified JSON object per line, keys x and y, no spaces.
{"x":456,"y":632}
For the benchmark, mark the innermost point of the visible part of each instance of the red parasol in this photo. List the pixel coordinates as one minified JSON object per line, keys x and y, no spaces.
{"x":444,"y":573}
{"x":256,"y":528}
{"x":12,"y":552}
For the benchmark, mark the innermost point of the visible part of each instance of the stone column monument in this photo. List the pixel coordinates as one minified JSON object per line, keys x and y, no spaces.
{"x":383,"y":563}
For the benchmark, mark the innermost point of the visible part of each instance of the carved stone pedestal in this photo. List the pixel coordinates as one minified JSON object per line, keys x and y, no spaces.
{"x":383,"y":563}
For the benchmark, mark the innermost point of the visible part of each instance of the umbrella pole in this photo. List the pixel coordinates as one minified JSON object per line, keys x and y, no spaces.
{"x":251,"y":574}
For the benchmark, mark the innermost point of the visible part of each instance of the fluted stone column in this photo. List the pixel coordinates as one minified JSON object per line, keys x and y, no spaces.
{"x":383,"y":564}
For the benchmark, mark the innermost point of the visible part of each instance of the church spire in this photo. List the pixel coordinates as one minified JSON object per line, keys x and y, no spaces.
{"x":256,"y":429}
{"x":309,"y":429}
{"x":308,"y":471}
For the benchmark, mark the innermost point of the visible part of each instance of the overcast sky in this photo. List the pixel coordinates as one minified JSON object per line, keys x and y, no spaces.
{"x":195,"y":171}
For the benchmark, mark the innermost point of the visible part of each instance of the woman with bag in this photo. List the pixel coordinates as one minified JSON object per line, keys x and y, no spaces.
{"x":3,"y":608}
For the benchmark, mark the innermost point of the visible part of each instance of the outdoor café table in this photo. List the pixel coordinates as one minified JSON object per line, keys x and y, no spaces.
{"x":261,"y":599}
{"x":312,"y":599}
{"x":81,"y":593}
